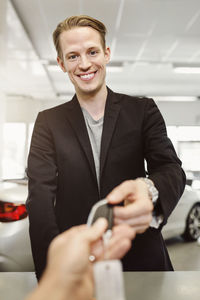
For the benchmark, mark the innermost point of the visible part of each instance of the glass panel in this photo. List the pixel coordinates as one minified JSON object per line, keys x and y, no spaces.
{"x":190,"y":155}
{"x":186,"y":140}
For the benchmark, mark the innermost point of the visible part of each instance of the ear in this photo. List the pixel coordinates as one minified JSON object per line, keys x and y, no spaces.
{"x":107,"y":55}
{"x":61,"y":64}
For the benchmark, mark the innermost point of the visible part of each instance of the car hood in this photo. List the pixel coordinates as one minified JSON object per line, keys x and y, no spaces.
{"x":13,"y":192}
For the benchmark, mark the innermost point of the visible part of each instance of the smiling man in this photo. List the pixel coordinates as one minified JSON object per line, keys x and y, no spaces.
{"x":95,"y":146}
{"x":84,"y":58}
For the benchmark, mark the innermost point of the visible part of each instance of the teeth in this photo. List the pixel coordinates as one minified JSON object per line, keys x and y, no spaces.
{"x":87,"y":76}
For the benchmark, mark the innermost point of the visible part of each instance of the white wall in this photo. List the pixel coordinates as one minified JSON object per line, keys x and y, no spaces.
{"x":3,"y":7}
{"x":2,"y":120}
{"x":180,"y":113}
{"x":174,"y":113}
{"x":25,"y":109}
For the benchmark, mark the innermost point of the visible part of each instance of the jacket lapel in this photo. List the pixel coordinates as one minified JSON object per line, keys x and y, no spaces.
{"x":112,"y":110}
{"x":76,"y":119}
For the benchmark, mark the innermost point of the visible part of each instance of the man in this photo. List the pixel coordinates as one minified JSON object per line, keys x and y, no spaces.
{"x":69,"y":273}
{"x":94,"y":147}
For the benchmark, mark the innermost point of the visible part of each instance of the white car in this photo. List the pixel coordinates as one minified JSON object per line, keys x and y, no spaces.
{"x":185,"y":219}
{"x":15,"y":249}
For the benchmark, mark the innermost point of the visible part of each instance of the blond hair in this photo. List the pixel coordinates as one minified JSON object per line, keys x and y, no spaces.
{"x":78,"y":21}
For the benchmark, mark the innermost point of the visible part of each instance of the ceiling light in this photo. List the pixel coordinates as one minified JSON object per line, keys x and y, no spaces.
{"x":175,"y":98}
{"x":187,"y":70}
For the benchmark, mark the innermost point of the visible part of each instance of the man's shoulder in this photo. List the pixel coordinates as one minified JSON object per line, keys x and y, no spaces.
{"x":132,"y":99}
{"x":57,"y":109}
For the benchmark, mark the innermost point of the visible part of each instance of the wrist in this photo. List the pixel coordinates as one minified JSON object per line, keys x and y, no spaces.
{"x":54,"y":286}
{"x":152,"y":190}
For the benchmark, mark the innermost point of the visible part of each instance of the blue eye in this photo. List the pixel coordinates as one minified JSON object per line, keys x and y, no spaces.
{"x":93,"y":52}
{"x":73,"y":57}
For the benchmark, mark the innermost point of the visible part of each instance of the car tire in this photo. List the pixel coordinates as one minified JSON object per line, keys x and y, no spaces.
{"x":192,"y":229}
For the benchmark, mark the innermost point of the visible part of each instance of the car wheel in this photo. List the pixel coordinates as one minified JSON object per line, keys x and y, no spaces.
{"x":192,"y":230}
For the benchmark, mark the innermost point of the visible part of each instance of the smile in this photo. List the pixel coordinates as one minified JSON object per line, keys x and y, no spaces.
{"x":88,"y":76}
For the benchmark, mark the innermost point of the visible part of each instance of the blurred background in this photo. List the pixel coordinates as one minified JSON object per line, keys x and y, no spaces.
{"x":155,"y":47}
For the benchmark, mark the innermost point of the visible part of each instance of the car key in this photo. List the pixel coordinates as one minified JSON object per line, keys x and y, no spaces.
{"x":108,"y":276}
{"x":101,"y":209}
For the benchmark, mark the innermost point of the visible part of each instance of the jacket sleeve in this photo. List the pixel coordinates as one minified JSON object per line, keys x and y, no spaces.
{"x":42,"y":175}
{"x":163,"y":165}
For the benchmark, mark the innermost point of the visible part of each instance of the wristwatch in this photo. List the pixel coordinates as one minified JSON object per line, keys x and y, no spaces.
{"x":153,"y":192}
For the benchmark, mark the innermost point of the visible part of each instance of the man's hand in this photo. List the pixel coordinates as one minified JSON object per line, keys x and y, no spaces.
{"x":138,"y":207}
{"x":118,"y":246}
{"x":68,"y":274}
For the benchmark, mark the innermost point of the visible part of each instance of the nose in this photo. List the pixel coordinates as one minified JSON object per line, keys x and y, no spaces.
{"x":84,"y":63}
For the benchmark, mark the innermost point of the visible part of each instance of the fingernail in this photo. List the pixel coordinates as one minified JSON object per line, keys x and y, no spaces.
{"x":101,"y":221}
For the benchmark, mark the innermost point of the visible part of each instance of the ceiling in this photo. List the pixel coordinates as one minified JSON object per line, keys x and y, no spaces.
{"x":148,"y":38}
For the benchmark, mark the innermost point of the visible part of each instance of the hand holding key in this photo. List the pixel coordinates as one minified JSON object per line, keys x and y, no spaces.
{"x":108,"y":274}
{"x":116,"y":240}
{"x":68,"y":274}
{"x":137,"y":209}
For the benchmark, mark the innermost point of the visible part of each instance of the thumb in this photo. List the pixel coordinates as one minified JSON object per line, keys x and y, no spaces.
{"x":96,"y":231}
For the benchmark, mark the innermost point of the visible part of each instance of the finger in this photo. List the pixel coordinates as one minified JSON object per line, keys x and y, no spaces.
{"x":124,"y":231}
{"x":119,"y":233}
{"x":74,"y":229}
{"x":121,"y":192}
{"x":133,"y":210}
{"x":120,"y":241}
{"x":138,"y":221}
{"x":140,"y":228}
{"x":117,"y":248}
{"x":68,"y":234}
{"x":97,"y":249}
{"x":95,"y":232}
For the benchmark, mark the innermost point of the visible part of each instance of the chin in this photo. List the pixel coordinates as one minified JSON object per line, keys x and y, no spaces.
{"x":93,"y":91}
{"x":89,"y":90}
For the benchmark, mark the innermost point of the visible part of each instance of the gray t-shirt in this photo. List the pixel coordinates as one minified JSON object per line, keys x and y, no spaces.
{"x":94,"y":129}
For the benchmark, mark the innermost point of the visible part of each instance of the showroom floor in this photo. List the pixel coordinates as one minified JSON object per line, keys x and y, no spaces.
{"x":185,"y":256}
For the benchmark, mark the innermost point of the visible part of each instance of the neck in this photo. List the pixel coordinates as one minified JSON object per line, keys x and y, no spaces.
{"x":94,"y":103}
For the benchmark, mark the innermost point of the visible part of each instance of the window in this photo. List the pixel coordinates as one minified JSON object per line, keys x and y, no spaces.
{"x":16,"y":139}
{"x":186,"y":140}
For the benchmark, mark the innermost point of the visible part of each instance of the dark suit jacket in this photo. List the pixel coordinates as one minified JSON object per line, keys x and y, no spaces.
{"x":62,"y":179}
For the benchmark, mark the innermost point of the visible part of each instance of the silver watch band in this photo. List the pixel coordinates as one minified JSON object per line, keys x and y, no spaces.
{"x":153,"y":192}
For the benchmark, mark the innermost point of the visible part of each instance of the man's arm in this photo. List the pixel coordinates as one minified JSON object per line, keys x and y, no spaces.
{"x":163,"y":165}
{"x":42,"y":174}
{"x":164,"y":169}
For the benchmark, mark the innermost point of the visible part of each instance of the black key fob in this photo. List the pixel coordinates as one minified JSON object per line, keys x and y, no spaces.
{"x":101,"y":209}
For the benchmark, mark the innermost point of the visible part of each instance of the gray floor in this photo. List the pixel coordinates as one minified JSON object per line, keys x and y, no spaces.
{"x":185,"y":256}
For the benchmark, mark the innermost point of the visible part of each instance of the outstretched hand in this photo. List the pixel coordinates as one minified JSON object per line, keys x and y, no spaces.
{"x":138,"y":207}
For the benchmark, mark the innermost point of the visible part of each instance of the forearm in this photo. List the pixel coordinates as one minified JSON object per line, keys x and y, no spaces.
{"x":163,"y":165}
{"x":170,"y":182}
{"x":50,"y":287}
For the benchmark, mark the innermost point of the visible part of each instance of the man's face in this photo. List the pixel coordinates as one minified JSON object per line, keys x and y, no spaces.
{"x":84,"y":59}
